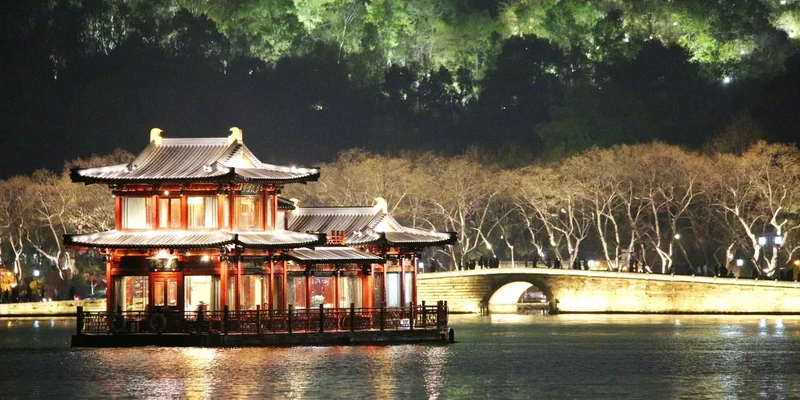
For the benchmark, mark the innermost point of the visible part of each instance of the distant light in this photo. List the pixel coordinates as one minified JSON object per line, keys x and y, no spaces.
{"x":762,"y":240}
{"x":739,"y":262}
{"x":205,"y":258}
{"x":591,"y":263}
{"x":675,"y":23}
{"x":166,"y":193}
{"x":36,"y":272}
{"x":726,"y":80}
{"x":778,"y":240}
{"x":677,"y":236}
{"x":742,"y":52}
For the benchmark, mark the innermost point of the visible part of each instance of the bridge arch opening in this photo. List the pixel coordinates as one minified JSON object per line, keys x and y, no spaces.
{"x":507,"y":298}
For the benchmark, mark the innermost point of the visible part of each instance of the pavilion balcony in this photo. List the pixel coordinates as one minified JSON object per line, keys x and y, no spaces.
{"x":264,"y":322}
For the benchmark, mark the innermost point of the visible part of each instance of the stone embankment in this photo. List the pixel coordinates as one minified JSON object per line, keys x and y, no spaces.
{"x":65,"y":308}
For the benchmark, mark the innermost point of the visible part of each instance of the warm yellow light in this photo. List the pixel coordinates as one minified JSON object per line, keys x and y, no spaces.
{"x":797,"y":262}
{"x":195,"y":200}
{"x":166,"y":193}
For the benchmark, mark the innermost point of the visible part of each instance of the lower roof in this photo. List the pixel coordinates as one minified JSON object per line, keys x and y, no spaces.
{"x":278,"y":239}
{"x":333,"y":255}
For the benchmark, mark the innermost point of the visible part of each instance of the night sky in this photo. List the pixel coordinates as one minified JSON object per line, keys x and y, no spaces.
{"x":74,"y":81}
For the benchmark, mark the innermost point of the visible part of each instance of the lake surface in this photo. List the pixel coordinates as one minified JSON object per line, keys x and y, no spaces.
{"x":498,"y":357}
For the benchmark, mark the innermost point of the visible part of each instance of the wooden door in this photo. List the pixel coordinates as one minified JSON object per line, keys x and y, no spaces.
{"x":166,"y":290}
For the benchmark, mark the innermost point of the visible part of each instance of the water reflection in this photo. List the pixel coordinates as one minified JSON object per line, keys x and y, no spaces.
{"x":588,"y":356}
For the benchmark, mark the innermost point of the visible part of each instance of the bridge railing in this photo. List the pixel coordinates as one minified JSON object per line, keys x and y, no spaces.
{"x":267,"y":321}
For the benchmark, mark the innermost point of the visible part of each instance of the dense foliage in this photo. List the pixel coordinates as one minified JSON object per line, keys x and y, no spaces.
{"x":525,"y":79}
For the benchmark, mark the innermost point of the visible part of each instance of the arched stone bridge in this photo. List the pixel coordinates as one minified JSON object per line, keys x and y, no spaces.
{"x":599,"y":291}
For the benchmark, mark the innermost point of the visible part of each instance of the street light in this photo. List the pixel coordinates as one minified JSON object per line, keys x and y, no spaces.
{"x":762,"y":240}
{"x":739,"y":262}
{"x":36,"y":272}
{"x":677,"y":236}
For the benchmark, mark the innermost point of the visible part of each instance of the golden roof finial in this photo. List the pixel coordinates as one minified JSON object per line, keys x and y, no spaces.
{"x":155,"y":136}
{"x":235,"y":136}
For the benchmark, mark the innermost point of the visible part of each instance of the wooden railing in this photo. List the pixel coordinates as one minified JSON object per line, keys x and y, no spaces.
{"x":269,"y":321}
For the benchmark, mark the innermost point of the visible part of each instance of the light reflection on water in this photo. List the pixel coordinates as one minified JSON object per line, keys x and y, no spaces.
{"x":589,"y":356}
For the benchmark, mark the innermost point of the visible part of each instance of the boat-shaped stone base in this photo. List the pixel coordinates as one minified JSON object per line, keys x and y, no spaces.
{"x":428,"y":336}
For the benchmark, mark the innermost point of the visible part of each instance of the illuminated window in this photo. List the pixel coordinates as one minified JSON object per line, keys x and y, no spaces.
{"x":137,"y":212}
{"x":131,"y":292}
{"x":158,"y":294}
{"x":202,"y":212}
{"x":201,"y":292}
{"x":350,"y":291}
{"x":226,"y":211}
{"x":169,"y":213}
{"x":393,"y":290}
{"x":249,"y":212}
{"x":172,"y":293}
{"x":297,"y":291}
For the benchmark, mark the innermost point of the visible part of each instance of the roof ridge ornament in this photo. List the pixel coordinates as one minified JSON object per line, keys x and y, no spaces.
{"x":381,"y":204}
{"x":235,"y":136}
{"x":155,"y":136}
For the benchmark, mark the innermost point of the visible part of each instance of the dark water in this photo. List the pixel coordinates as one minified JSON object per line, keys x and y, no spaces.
{"x":499,"y":357}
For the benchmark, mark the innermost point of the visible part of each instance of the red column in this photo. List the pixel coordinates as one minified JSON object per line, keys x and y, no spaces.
{"x":403,"y":296}
{"x":266,"y":216}
{"x":238,"y":282}
{"x":414,"y":279}
{"x":271,"y":283}
{"x":284,"y":296}
{"x":184,"y":212}
{"x":383,"y":285}
{"x":117,"y":213}
{"x":110,"y":297}
{"x":274,"y":206}
{"x":223,"y":282}
{"x":336,"y":300}
{"x":308,"y":291}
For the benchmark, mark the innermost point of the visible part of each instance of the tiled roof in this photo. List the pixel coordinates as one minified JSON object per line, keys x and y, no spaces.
{"x":328,"y":219}
{"x":285,"y":204}
{"x":152,"y":239}
{"x":341,"y":254}
{"x":411,"y":236}
{"x":195,"y":159}
{"x":366,"y":236}
{"x":193,"y":239}
{"x":364,"y":225}
{"x":279,"y":239}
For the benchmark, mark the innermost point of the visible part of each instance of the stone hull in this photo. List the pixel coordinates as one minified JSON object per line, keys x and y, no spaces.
{"x":278,"y":340}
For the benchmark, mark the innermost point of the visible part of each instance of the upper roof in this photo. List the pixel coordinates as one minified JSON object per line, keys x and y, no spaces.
{"x":365,"y":225}
{"x":195,"y":160}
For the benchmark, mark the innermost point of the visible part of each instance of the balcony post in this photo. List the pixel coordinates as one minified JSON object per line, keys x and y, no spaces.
{"x":225,"y":320}
{"x":383,"y":316}
{"x":321,"y":318}
{"x":258,"y":319}
{"x":290,"y":318}
{"x":79,"y":315}
{"x":352,"y":317}
{"x":424,"y":315}
{"x":411,"y":316}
